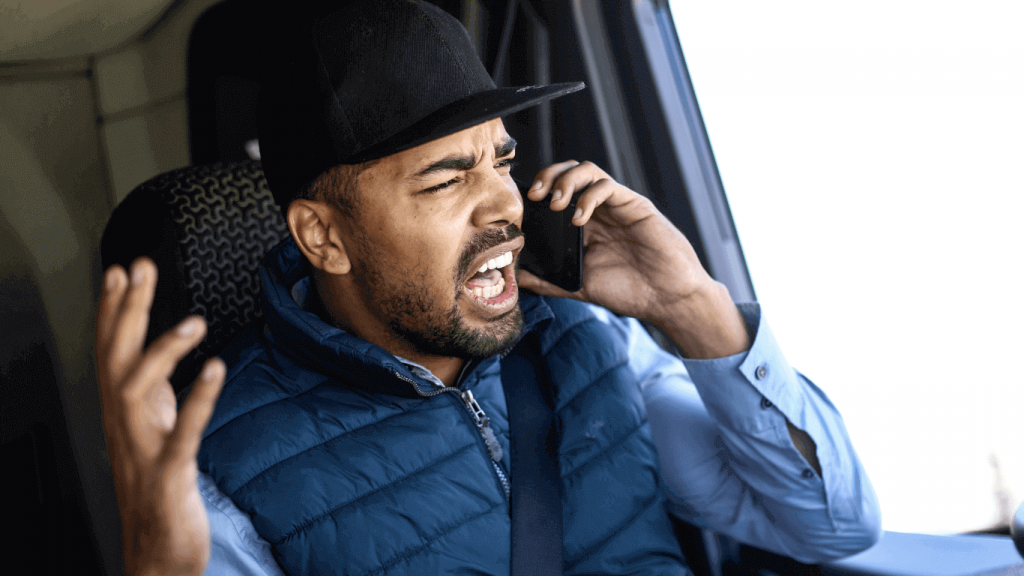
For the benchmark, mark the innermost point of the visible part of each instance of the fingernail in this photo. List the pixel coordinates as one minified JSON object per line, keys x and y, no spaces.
{"x":579,"y":212}
{"x":210,"y":371}
{"x":536,"y":185}
{"x":556,"y":195}
{"x":138,"y":274}
{"x":188,"y":327}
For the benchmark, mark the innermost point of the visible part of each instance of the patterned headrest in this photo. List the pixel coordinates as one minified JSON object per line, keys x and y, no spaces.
{"x":207,"y":229}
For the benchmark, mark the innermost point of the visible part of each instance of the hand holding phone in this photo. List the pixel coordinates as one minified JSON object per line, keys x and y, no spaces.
{"x":638,"y":263}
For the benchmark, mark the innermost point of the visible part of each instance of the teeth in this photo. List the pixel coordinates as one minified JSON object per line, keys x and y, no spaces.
{"x":498,"y":262}
{"x":490,"y":291}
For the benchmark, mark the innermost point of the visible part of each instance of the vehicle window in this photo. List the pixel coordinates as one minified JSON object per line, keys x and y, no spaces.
{"x":871,"y":155}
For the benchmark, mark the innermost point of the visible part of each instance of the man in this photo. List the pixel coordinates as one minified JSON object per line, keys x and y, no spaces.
{"x":364,"y":428}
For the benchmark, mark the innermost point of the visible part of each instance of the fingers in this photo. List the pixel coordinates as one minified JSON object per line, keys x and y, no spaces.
{"x":114,"y":282}
{"x":595,"y":195}
{"x":131,"y":318}
{"x":566,"y":179}
{"x":563,"y":180}
{"x":164,"y":354}
{"x":542,"y":287}
{"x":195,"y":413}
{"x":543,"y":182}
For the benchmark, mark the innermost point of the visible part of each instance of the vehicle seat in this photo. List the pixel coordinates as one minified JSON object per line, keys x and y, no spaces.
{"x":207,"y":229}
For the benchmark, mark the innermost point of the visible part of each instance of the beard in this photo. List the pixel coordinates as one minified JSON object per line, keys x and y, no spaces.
{"x":437,"y":326}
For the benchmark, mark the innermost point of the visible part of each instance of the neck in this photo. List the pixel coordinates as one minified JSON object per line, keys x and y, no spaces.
{"x":323,"y":302}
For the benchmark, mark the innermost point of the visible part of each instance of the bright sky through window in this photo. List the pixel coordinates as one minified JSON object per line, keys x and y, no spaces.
{"x":873,"y":157}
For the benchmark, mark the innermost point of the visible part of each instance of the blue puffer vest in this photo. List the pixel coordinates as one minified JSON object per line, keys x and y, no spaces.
{"x":329,"y":444}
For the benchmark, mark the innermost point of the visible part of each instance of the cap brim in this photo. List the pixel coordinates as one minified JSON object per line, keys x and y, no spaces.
{"x":462,"y":114}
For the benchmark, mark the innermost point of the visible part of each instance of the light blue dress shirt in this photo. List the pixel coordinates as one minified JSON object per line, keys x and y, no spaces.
{"x":729,"y":464}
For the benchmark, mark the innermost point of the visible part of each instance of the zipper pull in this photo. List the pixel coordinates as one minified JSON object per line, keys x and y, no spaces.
{"x":484,"y":424}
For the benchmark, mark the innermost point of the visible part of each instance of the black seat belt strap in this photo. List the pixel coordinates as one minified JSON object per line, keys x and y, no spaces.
{"x":536,"y":502}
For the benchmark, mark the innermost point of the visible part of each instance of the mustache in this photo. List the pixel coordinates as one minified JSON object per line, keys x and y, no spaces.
{"x":483,"y":242}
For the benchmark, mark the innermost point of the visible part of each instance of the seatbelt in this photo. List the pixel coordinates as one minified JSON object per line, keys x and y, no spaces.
{"x":536,"y":501}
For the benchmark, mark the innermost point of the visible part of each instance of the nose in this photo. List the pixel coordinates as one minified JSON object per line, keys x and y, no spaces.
{"x":499,"y":203}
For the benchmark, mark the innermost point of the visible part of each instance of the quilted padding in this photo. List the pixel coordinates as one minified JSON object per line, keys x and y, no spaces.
{"x":344,"y":474}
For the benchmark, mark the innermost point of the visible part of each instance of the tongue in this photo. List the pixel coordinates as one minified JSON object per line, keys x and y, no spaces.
{"x":484,"y":279}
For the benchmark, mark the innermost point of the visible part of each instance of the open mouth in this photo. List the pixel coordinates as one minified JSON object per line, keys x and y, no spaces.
{"x":493,"y":286}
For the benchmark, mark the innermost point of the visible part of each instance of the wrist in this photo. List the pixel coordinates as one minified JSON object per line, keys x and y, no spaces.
{"x":706,"y":324}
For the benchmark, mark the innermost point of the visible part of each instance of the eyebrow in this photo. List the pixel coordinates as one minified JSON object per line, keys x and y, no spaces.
{"x":507,"y":146}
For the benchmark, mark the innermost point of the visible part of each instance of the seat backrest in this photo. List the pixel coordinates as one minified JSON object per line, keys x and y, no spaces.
{"x":207,"y":229}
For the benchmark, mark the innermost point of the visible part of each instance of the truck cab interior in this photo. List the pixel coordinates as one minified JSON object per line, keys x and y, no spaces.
{"x":98,"y":97}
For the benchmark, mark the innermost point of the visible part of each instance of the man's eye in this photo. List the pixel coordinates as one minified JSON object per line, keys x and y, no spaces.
{"x":506,"y":163}
{"x":440,"y":187}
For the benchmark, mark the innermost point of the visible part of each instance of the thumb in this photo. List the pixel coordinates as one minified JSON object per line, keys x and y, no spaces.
{"x":542,"y":287}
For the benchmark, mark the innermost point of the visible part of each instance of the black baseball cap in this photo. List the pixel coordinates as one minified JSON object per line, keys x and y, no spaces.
{"x":372,"y":79}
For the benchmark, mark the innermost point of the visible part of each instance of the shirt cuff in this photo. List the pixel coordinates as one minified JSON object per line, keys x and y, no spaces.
{"x":740,"y":390}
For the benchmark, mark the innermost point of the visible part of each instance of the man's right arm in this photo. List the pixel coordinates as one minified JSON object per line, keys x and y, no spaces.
{"x":152,"y":446}
{"x":728,"y":455}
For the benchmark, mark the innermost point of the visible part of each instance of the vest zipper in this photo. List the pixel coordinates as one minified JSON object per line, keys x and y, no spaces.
{"x":504,"y":480}
{"x":482,"y":424}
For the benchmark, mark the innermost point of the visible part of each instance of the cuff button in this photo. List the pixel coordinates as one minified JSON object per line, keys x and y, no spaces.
{"x":766,"y":403}
{"x":761,"y":372}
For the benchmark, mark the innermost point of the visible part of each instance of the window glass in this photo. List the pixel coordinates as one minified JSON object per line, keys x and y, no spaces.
{"x":873,"y":157}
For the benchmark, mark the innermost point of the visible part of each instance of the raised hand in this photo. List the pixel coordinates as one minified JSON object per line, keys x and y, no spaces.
{"x":638,"y":264}
{"x":152,"y":446}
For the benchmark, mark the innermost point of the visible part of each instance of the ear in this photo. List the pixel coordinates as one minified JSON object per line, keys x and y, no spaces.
{"x":317,"y":231}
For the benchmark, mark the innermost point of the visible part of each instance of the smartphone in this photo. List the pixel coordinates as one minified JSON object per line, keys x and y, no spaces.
{"x":554,"y":245}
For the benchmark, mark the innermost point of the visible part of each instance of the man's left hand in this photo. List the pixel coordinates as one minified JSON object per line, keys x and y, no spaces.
{"x":638,"y":264}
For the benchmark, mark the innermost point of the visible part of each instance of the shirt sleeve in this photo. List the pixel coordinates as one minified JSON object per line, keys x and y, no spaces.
{"x":727,"y":459}
{"x":235,"y":547}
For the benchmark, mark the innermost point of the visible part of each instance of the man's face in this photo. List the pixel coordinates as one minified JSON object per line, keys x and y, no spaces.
{"x":429,"y":219}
